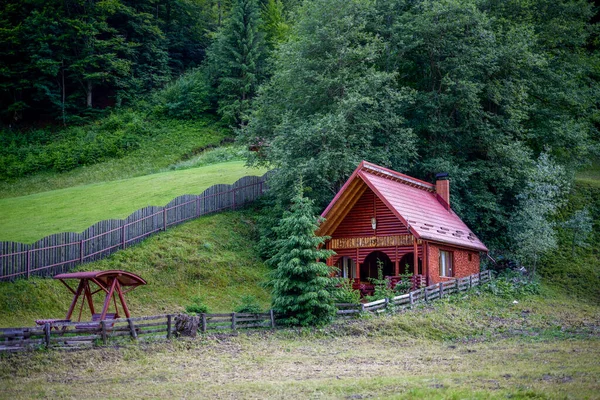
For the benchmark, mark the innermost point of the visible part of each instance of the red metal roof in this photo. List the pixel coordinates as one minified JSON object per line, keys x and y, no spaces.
{"x":125,"y":278}
{"x":416,"y":205}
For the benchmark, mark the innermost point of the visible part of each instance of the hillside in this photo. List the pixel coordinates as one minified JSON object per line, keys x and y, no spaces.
{"x":29,"y":218}
{"x":212,"y":257}
{"x":84,"y":154}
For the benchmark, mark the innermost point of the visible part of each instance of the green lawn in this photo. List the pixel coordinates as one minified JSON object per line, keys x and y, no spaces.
{"x":468,"y":346}
{"x":172,"y":142}
{"x":212,"y":257}
{"x":29,"y":218}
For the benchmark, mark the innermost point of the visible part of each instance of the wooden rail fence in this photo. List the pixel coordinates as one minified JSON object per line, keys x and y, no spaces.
{"x":422,"y":295}
{"x":78,"y":334}
{"x":61,"y":252}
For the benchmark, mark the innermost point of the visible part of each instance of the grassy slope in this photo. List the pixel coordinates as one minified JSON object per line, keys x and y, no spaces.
{"x":212,"y":257}
{"x":29,"y":218}
{"x":172,"y":141}
{"x":472,"y":346}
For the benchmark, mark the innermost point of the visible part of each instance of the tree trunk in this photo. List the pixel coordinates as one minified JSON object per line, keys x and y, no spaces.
{"x":89,"y":94}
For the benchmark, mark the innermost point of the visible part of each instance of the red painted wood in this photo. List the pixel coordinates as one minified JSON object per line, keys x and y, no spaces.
{"x":358,"y":221}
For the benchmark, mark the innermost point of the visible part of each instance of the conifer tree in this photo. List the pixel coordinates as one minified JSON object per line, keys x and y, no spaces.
{"x":235,"y":60}
{"x":300,"y":281}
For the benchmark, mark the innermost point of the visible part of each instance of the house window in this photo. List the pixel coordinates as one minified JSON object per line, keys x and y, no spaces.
{"x":347,"y":267}
{"x":446,"y":267}
{"x":470,"y":257}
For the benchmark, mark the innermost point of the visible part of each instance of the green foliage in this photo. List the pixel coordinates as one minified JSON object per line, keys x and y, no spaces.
{"x":300,"y":282}
{"x":532,"y":229}
{"x":197,"y":306}
{"x":187,"y":97}
{"x":61,"y":59}
{"x":382,"y":285}
{"x":510,"y":284}
{"x":426,"y":86}
{"x":235,"y":60}
{"x":249,"y":304}
{"x":342,"y":291}
{"x":404,"y":285}
{"x":274,"y":24}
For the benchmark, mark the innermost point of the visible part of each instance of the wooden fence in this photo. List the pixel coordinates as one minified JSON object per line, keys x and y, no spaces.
{"x":76,"y":334}
{"x":422,"y":295}
{"x":61,"y":252}
{"x":79,"y":334}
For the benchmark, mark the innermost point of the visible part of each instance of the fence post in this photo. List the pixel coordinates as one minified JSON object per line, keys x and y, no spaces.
{"x":81,"y":257}
{"x":203,"y":322}
{"x":28,"y":263}
{"x":123,"y":237}
{"x":410,"y":297}
{"x":470,"y":281}
{"x":233,"y":192}
{"x":169,"y":326}
{"x":233,"y":321}
{"x":132,"y":328}
{"x":103,"y":325}
{"x":197,"y":206}
{"x":441,"y":284}
{"x":272,"y":315}
{"x":47,"y":334}
{"x":425,"y":294}
{"x":164,"y":219}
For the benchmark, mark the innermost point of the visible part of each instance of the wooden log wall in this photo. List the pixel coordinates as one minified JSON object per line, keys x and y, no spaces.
{"x":61,"y":252}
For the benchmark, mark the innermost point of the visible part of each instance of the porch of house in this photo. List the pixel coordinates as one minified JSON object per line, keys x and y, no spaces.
{"x":361,"y":266}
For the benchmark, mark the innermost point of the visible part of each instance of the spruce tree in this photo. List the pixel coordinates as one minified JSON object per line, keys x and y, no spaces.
{"x":300,"y":281}
{"x":235,"y":60}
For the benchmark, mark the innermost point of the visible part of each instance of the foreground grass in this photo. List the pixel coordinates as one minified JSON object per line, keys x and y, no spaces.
{"x":212,"y":257}
{"x":171,"y":142}
{"x":29,"y":218}
{"x":452,"y":349}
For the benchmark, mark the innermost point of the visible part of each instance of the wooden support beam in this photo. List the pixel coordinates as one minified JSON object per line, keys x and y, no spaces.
{"x":75,"y":298}
{"x":109,"y":295}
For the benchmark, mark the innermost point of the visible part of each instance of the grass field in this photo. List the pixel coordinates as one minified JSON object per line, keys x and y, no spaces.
{"x":212,"y":257}
{"x":172,"y":142}
{"x":29,"y":218}
{"x":472,"y":346}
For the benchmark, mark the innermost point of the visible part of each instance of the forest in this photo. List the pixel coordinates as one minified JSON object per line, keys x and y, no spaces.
{"x":502,"y":95}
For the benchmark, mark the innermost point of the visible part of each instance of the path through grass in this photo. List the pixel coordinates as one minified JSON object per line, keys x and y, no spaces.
{"x":29,"y":218}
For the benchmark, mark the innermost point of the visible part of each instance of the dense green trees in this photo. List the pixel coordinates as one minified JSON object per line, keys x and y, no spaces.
{"x":235,"y":60}
{"x":476,"y":88}
{"x":61,"y":58}
{"x":300,"y":280}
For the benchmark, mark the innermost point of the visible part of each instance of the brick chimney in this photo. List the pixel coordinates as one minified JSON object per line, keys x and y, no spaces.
{"x":442,"y":188}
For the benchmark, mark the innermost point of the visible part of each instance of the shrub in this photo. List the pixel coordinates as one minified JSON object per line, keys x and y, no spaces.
{"x":249,"y":305}
{"x":197,"y":307}
{"x":513,"y":284}
{"x":342,"y":291}
{"x":187,"y":97}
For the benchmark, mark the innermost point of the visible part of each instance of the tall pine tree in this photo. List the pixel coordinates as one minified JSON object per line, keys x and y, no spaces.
{"x":300,"y":281}
{"x":235,"y":60}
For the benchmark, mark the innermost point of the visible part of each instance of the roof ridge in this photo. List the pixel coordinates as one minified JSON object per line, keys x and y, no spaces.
{"x":397,"y":176}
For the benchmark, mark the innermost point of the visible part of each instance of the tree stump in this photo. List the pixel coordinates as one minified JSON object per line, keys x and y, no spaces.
{"x":186,"y":325}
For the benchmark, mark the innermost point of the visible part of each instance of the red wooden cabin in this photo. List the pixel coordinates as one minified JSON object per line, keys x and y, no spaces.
{"x":405,"y":223}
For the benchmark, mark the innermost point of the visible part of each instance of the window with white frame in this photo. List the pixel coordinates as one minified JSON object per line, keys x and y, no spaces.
{"x":446,"y":267}
{"x":347,"y":267}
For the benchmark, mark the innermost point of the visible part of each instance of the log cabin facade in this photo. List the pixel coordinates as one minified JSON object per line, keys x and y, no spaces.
{"x":406,"y":225}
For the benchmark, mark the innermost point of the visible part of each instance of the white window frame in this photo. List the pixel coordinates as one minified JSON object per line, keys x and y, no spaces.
{"x":446,"y":263}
